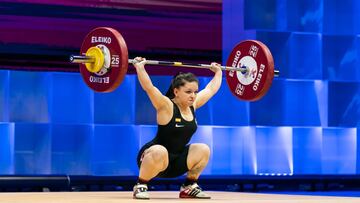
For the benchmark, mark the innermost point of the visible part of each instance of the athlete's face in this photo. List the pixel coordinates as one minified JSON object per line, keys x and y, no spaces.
{"x":186,"y":94}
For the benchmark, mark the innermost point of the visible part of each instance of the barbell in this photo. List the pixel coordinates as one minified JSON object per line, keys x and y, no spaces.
{"x":104,"y":62}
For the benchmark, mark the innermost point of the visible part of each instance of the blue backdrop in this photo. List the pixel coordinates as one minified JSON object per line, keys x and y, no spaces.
{"x":51,"y":123}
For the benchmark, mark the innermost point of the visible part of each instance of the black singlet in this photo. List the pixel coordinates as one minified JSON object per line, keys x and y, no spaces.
{"x":175,"y":135}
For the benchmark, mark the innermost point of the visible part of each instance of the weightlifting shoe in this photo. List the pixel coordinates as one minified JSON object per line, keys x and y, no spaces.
{"x":140,"y":191}
{"x":193,"y":191}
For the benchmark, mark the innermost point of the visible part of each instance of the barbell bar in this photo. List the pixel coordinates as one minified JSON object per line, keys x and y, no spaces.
{"x":88,"y":59}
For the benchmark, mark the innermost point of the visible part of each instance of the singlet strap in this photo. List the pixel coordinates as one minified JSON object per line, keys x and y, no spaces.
{"x":192,"y":110}
{"x":176,"y":109}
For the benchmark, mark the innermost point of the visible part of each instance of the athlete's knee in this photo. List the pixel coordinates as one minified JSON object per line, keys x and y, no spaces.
{"x":198,"y":153}
{"x":202,"y":149}
{"x":159,"y":155}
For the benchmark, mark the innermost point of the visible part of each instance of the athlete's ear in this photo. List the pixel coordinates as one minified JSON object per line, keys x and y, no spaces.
{"x":176,"y":91}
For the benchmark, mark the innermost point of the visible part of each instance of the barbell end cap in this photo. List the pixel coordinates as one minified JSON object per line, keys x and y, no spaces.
{"x":71,"y":59}
{"x":276,"y":73}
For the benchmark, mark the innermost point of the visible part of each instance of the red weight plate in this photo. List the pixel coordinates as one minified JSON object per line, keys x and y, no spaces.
{"x":107,"y":79}
{"x":257,"y":58}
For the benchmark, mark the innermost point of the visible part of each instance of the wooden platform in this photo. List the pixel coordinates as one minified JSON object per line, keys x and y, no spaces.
{"x":116,"y":197}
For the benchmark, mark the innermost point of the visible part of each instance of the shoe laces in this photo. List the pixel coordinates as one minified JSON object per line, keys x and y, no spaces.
{"x":193,"y":189}
{"x":141,"y":188}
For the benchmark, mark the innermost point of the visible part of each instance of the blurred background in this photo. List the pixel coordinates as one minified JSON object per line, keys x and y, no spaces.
{"x":306,"y":126}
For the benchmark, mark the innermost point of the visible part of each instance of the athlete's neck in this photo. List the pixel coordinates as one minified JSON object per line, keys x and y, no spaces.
{"x":182,"y":107}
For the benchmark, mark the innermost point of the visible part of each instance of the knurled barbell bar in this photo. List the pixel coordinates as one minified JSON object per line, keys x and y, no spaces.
{"x":104,"y":63}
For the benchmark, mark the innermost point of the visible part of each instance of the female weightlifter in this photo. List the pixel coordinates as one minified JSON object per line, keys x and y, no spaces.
{"x":169,"y":155}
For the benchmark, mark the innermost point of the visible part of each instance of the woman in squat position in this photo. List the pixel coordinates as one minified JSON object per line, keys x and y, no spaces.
{"x":168,"y":155}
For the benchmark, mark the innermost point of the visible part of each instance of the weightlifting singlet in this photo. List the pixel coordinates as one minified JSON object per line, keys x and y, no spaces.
{"x":177,"y":133}
{"x":174,"y":136}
